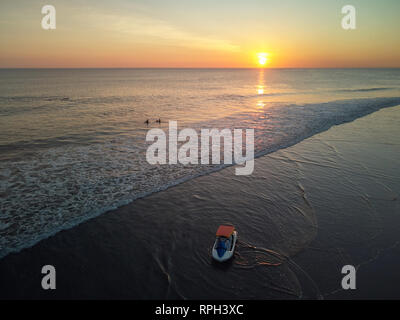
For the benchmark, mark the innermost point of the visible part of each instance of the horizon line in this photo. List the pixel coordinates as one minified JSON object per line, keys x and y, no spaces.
{"x":199,"y":68}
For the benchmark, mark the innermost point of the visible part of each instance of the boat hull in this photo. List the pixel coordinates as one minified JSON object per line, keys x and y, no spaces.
{"x":228,"y":253}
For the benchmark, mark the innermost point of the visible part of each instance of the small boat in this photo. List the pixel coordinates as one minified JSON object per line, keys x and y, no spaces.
{"x":224,"y":245}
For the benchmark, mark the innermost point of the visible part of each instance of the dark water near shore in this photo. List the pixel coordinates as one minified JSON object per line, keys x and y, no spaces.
{"x":330,"y":200}
{"x":73,"y":141}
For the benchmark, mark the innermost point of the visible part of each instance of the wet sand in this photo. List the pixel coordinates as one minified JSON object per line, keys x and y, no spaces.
{"x":306,"y":211}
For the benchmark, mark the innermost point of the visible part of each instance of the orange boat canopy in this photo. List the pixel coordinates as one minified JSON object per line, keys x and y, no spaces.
{"x":225,"y":231}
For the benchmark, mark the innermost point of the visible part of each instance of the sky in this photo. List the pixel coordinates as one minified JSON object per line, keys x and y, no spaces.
{"x":199,"y":34}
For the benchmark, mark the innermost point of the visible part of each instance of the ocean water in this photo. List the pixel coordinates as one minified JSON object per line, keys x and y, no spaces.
{"x":73,"y":141}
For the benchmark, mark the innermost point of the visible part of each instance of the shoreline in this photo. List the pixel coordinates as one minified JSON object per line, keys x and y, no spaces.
{"x":287,"y":184}
{"x":371,"y":107}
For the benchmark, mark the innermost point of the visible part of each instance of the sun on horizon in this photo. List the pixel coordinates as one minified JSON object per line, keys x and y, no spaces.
{"x":263,"y":58}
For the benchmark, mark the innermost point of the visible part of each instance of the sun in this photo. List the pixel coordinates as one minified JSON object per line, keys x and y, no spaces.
{"x":262,"y":58}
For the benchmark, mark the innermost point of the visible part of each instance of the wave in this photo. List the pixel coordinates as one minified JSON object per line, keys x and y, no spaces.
{"x":291,"y":93}
{"x":366,"y":89}
{"x":64,"y":186}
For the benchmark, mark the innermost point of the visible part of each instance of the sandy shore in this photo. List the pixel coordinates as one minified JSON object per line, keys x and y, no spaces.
{"x":328,"y":201}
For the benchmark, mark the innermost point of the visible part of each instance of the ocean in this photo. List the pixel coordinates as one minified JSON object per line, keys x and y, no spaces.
{"x":73,"y":143}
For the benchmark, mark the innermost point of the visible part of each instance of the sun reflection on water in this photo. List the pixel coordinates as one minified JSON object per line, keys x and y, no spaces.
{"x":260,"y":90}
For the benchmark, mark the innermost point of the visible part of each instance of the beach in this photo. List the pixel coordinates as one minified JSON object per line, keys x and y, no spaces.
{"x":306,"y":211}
{"x":74,"y":141}
{"x":199,"y":158}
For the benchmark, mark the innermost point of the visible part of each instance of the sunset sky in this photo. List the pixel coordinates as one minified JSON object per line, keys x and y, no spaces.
{"x":206,"y":33}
